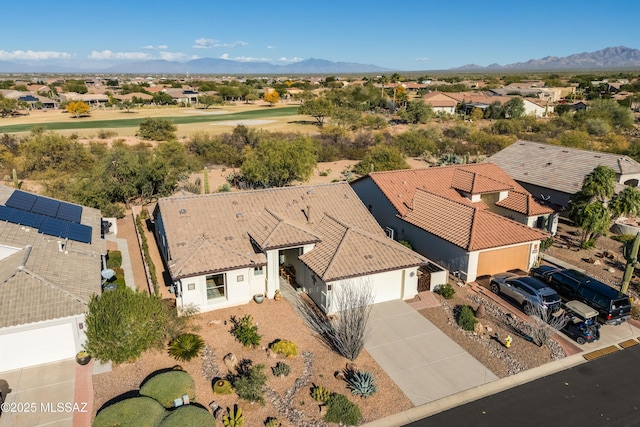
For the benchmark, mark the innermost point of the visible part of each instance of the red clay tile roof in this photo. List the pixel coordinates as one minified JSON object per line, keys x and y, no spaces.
{"x":429,"y":199}
{"x":524,"y":204}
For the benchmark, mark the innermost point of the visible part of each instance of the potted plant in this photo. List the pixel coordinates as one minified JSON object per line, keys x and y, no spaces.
{"x":82,"y":357}
{"x":277,"y":295}
{"x":258,"y":298}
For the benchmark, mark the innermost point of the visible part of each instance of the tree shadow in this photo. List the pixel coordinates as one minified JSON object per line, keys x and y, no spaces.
{"x":124,"y":396}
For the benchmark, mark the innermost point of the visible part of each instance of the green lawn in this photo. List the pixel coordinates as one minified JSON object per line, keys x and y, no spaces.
{"x":263,"y":113}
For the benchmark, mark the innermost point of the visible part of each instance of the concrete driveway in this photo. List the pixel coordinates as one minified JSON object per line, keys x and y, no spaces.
{"x":424,"y":362}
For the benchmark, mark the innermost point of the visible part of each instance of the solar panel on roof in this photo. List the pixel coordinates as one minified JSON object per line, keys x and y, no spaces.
{"x":54,"y":227}
{"x":46,"y":206}
{"x":79,"y":232}
{"x":69,"y":212}
{"x":5,"y":213}
{"x":29,"y":219}
{"x":21,"y":200}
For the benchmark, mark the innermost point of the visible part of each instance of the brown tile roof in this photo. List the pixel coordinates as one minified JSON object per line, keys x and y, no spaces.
{"x":557,"y":167}
{"x":430,"y":199}
{"x":216,"y":232}
{"x":38,"y":282}
{"x":269,"y":231}
{"x":346,"y":252}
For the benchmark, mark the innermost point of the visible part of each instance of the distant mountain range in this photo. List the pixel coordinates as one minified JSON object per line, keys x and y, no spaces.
{"x":608,"y":58}
{"x":204,"y":66}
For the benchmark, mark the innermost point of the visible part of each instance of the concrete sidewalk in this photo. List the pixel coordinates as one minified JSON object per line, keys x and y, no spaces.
{"x":423,"y":361}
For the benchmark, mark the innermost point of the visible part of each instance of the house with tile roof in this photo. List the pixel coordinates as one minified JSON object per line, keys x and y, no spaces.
{"x":441,"y":102}
{"x":222,"y":249}
{"x":554,"y":173}
{"x":46,"y":279}
{"x":472,"y":219}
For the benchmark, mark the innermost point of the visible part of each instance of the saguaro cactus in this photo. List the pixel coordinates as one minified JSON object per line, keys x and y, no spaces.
{"x":631,"y":255}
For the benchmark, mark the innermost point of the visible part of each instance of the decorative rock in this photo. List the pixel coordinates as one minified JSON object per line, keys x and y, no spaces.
{"x":214,"y":322}
{"x":478,"y":328}
{"x":597,"y":262}
{"x":488,"y":329}
{"x":271,"y":354}
{"x":611,"y":270}
{"x":481,"y":311}
{"x":230,"y":361}
{"x":352,"y":367}
{"x":339,"y":375}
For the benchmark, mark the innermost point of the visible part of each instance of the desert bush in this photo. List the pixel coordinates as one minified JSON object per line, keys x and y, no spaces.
{"x":285,"y":347}
{"x":245,"y":331}
{"x":320,"y":393}
{"x":168,"y":386}
{"x":272,"y":422}
{"x":185,"y":347}
{"x":133,"y":412}
{"x":250,"y":384}
{"x":465,"y":317}
{"x":104,"y":134}
{"x":188,"y":415}
{"x":446,"y":291}
{"x":141,"y":315}
{"x":114,"y":259}
{"x":341,"y":410}
{"x":344,"y":334}
{"x":543,"y":324}
{"x":281,"y":370}
{"x":361,"y":383}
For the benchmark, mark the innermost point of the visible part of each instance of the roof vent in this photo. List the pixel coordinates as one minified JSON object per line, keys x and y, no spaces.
{"x":235,"y":202}
{"x":183,"y":211}
{"x":227,"y":238}
{"x":368,"y":256}
{"x":239,"y":215}
{"x":309,"y":191}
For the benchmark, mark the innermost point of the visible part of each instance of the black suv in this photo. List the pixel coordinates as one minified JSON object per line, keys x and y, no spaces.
{"x":612,"y":305}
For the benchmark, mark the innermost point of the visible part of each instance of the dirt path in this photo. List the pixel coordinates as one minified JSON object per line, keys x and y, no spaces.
{"x":126,"y":231}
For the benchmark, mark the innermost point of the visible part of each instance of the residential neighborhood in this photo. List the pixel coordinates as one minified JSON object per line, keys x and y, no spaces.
{"x":282,"y":243}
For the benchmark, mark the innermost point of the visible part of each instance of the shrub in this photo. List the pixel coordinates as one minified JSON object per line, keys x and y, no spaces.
{"x":272,"y":422}
{"x":142,"y":316}
{"x":341,"y":410}
{"x":446,"y":291}
{"x":133,"y":412}
{"x":285,"y":347}
{"x":168,"y":386}
{"x":245,"y":331}
{"x":185,"y":347}
{"x":104,"y":134}
{"x":623,"y":238}
{"x":157,"y":129}
{"x":235,"y":417}
{"x":188,"y":415}
{"x":222,"y":387}
{"x":465,"y":318}
{"x":635,"y":312}
{"x":546,"y":244}
{"x":281,"y":369}
{"x":119,"y":280}
{"x":320,"y":394}
{"x":250,"y":384}
{"x":114,"y":259}
{"x":360,"y":383}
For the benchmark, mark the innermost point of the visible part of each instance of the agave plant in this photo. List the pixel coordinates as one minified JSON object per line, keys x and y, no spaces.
{"x":281,"y":369}
{"x":185,"y":347}
{"x":361,"y":383}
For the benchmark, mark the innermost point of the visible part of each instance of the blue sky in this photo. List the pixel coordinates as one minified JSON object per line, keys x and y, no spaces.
{"x":408,"y":35}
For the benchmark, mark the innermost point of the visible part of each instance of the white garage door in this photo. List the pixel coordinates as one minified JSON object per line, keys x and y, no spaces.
{"x":36,"y":346}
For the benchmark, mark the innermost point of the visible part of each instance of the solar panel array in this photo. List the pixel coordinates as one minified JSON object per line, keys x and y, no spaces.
{"x":49,"y":216}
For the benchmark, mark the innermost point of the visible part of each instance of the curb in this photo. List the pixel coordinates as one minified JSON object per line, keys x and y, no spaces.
{"x":423,"y":411}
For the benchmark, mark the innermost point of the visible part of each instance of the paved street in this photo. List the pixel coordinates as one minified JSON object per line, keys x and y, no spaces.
{"x":598,"y":393}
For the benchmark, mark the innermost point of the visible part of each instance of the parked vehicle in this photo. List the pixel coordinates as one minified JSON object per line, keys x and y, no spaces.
{"x":530,"y":293}
{"x":613,"y":306}
{"x":581,"y":322}
{"x":542,"y":272}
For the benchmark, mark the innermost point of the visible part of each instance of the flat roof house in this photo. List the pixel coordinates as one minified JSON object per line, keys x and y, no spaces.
{"x":222,"y":249}
{"x":50,"y":264}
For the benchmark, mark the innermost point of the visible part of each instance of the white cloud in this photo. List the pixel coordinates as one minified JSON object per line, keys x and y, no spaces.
{"x":271,"y":47}
{"x":107,"y":54}
{"x":290,"y":60}
{"x":243,"y":58}
{"x":33,"y":55}
{"x":423,"y":59}
{"x":203,"y":43}
{"x":172,"y":56}
{"x":152,"y":47}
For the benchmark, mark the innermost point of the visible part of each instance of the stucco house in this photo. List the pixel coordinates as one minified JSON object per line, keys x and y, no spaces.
{"x":554,"y":173}
{"x":222,"y":249}
{"x":441,"y":102}
{"x":472,"y":219}
{"x":50,"y":263}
